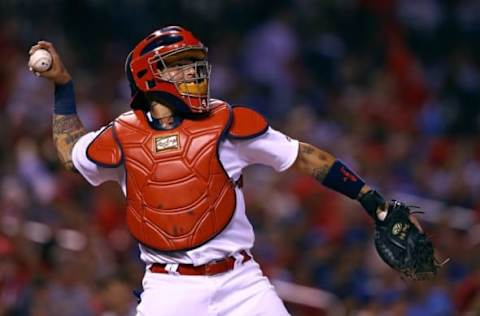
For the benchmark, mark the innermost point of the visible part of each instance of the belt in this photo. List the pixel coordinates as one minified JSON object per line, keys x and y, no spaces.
{"x":211,"y":268}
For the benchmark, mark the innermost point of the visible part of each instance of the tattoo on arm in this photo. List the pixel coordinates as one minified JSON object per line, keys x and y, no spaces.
{"x":306,"y":149}
{"x":67,"y":129}
{"x":314,"y":161}
{"x":320,"y":173}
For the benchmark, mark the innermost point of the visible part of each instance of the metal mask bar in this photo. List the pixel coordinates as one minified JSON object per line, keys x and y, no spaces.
{"x":188,"y":86}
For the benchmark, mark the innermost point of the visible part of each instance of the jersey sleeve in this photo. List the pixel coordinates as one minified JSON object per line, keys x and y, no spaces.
{"x":272,"y":148}
{"x":93,"y":173}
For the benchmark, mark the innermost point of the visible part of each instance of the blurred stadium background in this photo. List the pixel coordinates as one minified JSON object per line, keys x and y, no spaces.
{"x":390,"y":86}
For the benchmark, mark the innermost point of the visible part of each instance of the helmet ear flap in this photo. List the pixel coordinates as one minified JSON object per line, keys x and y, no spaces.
{"x":138,"y":98}
{"x":128,"y":73}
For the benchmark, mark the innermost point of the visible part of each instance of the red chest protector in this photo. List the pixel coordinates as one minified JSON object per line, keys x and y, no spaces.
{"x":178,"y":193}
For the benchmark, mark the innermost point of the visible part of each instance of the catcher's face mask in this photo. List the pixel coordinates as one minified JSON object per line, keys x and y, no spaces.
{"x":189,"y":72}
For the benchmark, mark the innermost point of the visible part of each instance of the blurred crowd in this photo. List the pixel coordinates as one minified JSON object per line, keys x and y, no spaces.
{"x":390,"y":87}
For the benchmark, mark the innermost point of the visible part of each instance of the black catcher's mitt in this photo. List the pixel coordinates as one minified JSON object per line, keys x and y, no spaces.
{"x":403,"y":246}
{"x":399,"y":239}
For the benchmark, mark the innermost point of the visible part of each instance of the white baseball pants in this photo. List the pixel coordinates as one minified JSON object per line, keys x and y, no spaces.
{"x":243,"y":291}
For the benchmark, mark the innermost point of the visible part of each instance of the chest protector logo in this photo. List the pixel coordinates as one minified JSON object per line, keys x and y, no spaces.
{"x":178,"y":194}
{"x":162,"y":143}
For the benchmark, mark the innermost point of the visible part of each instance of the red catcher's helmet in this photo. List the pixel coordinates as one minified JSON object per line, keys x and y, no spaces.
{"x":146,"y":63}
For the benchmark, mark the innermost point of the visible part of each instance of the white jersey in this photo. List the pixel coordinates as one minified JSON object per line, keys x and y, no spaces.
{"x":272,"y":149}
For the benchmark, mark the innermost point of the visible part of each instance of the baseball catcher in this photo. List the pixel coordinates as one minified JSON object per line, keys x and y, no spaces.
{"x":178,"y":156}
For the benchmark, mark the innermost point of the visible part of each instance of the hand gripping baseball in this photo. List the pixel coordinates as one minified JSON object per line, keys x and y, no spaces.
{"x":57,"y":71}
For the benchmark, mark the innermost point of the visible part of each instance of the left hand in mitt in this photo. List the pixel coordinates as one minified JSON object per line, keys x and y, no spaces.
{"x":401,"y":242}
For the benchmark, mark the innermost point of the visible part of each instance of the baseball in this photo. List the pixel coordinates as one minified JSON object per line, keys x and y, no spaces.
{"x":40,"y":60}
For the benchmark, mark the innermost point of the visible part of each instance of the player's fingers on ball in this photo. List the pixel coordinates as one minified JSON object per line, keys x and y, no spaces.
{"x":33,"y":49}
{"x":48,"y":46}
{"x":36,"y":73}
{"x":51,"y":49}
{"x":54,"y":54}
{"x":45,"y":44}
